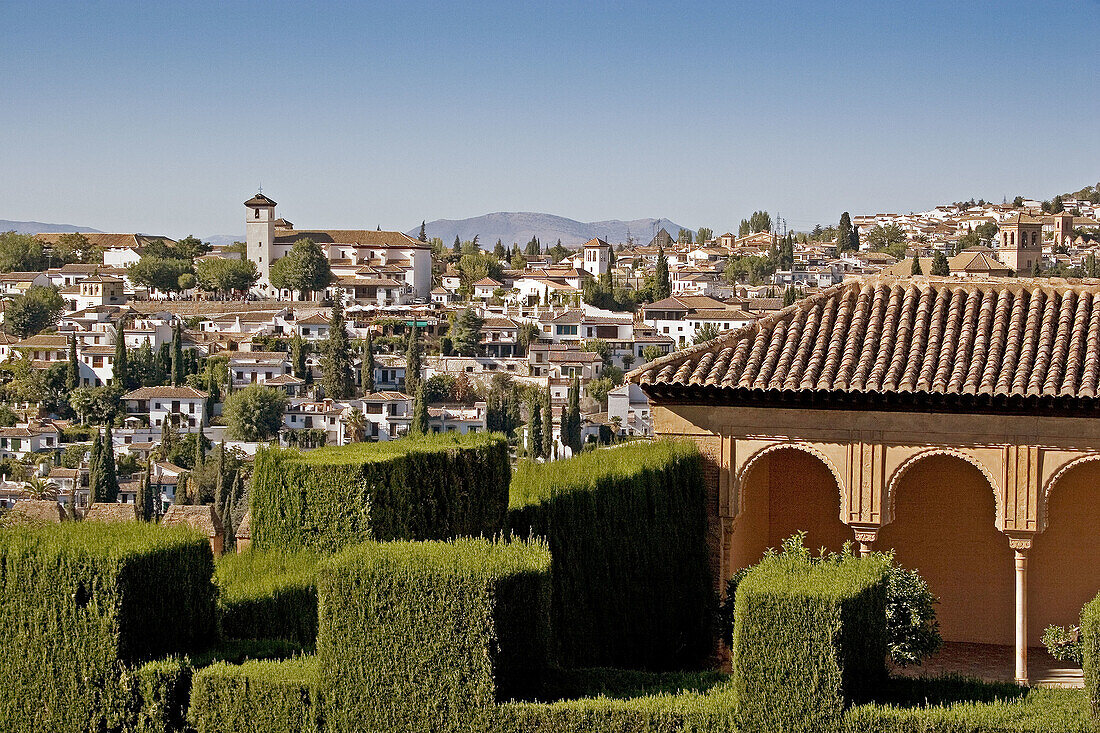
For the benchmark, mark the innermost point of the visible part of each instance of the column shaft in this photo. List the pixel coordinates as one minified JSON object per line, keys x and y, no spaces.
{"x":1021,"y":616}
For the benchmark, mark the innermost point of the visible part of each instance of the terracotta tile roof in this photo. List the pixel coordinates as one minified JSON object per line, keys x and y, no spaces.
{"x":244,"y":530}
{"x":43,"y":510}
{"x":201,"y":517}
{"x":102,"y":512}
{"x":178,"y":393}
{"x":362,"y":237}
{"x":996,"y":342}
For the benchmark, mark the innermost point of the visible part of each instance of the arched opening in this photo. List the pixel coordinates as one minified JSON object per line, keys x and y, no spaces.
{"x":945,"y":527}
{"x":783,"y":492}
{"x":1064,"y":561}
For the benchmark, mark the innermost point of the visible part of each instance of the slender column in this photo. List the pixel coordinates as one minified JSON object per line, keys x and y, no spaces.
{"x":1021,"y":547}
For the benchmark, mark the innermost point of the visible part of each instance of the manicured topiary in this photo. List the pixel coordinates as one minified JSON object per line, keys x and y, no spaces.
{"x":1090,"y":652}
{"x":627,"y":529}
{"x":83,"y":603}
{"x":430,"y":487}
{"x":269,"y":595}
{"x":262,"y":697}
{"x":419,"y":636}
{"x":808,"y":638}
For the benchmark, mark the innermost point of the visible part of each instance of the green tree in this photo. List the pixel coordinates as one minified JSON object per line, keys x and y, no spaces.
{"x":685,"y":236}
{"x":419,"y":424}
{"x":336,"y":367}
{"x":305,"y":268}
{"x":534,"y":430}
{"x":412,"y":360}
{"x":366,"y":369}
{"x":1018,"y":201}
{"x":299,"y":350}
{"x":547,"y":424}
{"x":423,"y":232}
{"x":121,"y":373}
{"x":707,"y":332}
{"x":498,"y":250}
{"x":75,"y":247}
{"x":223,"y":276}
{"x":255,"y":412}
{"x":189,"y":248}
{"x":1092,"y":267}
{"x":200,"y":445}
{"x":652,"y":353}
{"x":159,"y":273}
{"x":466,"y":332}
{"x":527,"y":335}
{"x":34,"y":311}
{"x":105,"y":488}
{"x":571,"y":419}
{"x":915,"y":268}
{"x":21,"y":253}
{"x":844,"y":233}
{"x":704,"y":235}
{"x":72,"y":369}
{"x":177,"y":355}
{"x":940,"y":265}
{"x":213,"y":388}
{"x":664,"y":282}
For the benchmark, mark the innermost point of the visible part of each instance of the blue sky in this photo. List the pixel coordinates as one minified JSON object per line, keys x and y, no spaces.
{"x":163,"y":117}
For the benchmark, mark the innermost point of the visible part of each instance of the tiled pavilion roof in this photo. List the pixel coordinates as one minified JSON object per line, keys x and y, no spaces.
{"x":996,"y":344}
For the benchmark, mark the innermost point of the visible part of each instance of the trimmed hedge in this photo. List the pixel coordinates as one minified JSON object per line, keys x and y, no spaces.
{"x":627,"y":528}
{"x":261,"y":697}
{"x":80,"y":603}
{"x":419,"y":488}
{"x":1090,"y":653}
{"x":807,"y":640}
{"x":419,"y":636}
{"x":269,"y":595}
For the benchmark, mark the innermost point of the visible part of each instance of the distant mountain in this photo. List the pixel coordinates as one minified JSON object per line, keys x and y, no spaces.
{"x":222,"y":239}
{"x":519,"y":227}
{"x":34,"y":227}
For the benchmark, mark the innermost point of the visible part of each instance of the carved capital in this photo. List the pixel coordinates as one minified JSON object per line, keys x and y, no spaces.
{"x":865,"y":534}
{"x":1020,"y":541}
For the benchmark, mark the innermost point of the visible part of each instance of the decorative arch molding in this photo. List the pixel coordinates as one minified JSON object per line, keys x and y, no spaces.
{"x":1048,"y":487}
{"x":900,"y":471}
{"x":787,"y":445}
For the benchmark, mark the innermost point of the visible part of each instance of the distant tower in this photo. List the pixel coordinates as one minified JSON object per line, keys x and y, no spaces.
{"x":597,"y":257}
{"x":1063,"y":228}
{"x":260,"y":234}
{"x":1020,"y":243}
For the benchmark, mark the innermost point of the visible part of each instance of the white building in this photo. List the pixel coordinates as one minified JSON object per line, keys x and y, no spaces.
{"x":268,"y":238}
{"x":184,"y":406}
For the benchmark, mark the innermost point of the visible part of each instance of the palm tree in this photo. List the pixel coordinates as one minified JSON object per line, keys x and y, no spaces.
{"x":356,"y":423}
{"x":37,"y":487}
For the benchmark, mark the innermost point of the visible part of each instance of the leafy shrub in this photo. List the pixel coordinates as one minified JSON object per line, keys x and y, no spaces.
{"x":809,"y":636}
{"x":418,"y":636}
{"x":627,"y":529}
{"x":1064,"y":644}
{"x":912,"y":631}
{"x":269,"y":595}
{"x":81,"y":604}
{"x":431,"y":487}
{"x":1090,"y":652}
{"x":264,"y":697}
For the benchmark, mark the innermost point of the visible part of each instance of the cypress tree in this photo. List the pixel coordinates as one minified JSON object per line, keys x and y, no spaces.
{"x":122,"y":362}
{"x":177,"y":356}
{"x":221,"y":501}
{"x":844,"y":233}
{"x":72,"y":373}
{"x":412,"y":361}
{"x":336,"y":363}
{"x":534,"y":430}
{"x":571,"y":419}
{"x":457,"y":248}
{"x":367,"y":368}
{"x":664,"y":283}
{"x":419,"y":425}
{"x":298,"y":351}
{"x":423,"y":232}
{"x":213,"y":391}
{"x":547,"y":425}
{"x":95,"y":468}
{"x":108,"y":471}
{"x":915,"y":269}
{"x":200,"y":447}
{"x":940,"y":266}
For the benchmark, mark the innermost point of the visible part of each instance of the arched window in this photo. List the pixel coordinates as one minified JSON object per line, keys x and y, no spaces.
{"x":257,"y":213}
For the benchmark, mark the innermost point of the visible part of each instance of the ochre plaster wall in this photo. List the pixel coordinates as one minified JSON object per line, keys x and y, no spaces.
{"x":1064,"y":562}
{"x":943,"y":527}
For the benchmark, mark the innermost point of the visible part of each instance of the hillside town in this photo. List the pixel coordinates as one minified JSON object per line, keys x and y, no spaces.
{"x":313,"y":337}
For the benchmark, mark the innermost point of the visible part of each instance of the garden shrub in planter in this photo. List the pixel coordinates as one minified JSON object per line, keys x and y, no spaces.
{"x":627,"y":529}
{"x":428,"y":636}
{"x":417,"y":488}
{"x":808,"y":638}
{"x":82,"y":604}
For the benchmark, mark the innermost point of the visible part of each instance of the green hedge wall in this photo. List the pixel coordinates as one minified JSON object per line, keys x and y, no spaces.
{"x":422,"y":488}
{"x":260,"y":697}
{"x":1090,"y":653}
{"x":807,"y":640}
{"x":627,"y":529}
{"x":269,"y":595}
{"x":427,"y":636}
{"x":80,"y":603}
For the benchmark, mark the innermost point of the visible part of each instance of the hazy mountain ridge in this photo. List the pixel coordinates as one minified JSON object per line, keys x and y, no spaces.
{"x":520,"y":226}
{"x":36,"y":227}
